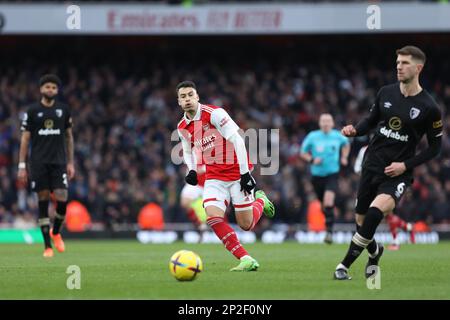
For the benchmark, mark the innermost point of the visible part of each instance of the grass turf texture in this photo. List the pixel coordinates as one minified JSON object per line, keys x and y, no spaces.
{"x":130,"y":270}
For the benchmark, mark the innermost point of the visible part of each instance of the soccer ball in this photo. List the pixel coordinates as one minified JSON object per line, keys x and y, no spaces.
{"x":185,"y":265}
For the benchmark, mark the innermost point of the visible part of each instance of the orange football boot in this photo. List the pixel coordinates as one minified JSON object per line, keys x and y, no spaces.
{"x":48,"y":253}
{"x":58,"y":241}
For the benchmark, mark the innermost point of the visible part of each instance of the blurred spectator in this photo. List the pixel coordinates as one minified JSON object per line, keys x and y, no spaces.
{"x":125,"y":110}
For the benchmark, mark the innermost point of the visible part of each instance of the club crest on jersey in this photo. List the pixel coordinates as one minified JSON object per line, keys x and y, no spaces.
{"x":59,"y":113}
{"x":387,"y":104}
{"x":414,"y":113}
{"x":205,"y":127}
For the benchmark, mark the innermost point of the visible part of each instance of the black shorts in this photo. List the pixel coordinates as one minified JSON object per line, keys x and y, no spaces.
{"x":373,"y":184}
{"x":322,"y":184}
{"x":48,"y":177}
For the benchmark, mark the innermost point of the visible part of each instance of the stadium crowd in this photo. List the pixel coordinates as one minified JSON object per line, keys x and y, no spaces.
{"x":125,"y":111}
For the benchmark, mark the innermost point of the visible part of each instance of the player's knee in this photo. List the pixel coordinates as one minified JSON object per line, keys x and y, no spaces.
{"x":61,"y":194}
{"x":328,"y":199}
{"x":213,"y":211}
{"x":185,"y":203}
{"x":44,"y":195}
{"x":384,"y":202}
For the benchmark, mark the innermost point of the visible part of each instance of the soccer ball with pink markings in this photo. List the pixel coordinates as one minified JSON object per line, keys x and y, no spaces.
{"x":185,"y":265}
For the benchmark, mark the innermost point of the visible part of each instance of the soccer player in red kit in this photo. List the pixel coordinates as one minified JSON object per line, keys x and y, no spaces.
{"x":211,"y":130}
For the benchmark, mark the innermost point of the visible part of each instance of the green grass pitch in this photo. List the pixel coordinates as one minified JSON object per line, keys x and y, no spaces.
{"x":130,"y":270}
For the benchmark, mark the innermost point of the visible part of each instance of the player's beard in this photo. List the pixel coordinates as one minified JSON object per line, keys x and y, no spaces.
{"x":48,"y":98}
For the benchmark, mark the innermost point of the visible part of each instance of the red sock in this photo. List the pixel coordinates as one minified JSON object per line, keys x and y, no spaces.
{"x":258,"y":208}
{"x":193,"y":217}
{"x":394,"y":234}
{"x":412,"y":236}
{"x":402,"y":224}
{"x":227,"y":235}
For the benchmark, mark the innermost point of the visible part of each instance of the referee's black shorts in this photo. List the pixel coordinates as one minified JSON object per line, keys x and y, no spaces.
{"x":325,"y":183}
{"x":46,"y":176}
{"x":373,"y":184}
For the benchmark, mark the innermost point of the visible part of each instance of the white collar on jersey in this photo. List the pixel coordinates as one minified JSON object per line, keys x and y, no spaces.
{"x":197,"y":115}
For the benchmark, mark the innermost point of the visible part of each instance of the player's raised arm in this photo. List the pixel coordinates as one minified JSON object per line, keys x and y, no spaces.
{"x":189,"y":159}
{"x":434,"y":138}
{"x":230,"y":131}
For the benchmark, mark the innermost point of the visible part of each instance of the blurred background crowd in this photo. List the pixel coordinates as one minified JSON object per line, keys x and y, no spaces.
{"x":122,"y":95}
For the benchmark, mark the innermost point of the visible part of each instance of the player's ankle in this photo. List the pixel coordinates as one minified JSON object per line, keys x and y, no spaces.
{"x":341,"y":266}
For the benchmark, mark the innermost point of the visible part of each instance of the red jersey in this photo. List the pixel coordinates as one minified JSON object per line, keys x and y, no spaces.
{"x":208,"y":132}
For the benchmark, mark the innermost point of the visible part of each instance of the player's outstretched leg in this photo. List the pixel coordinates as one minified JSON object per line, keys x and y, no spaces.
{"x":361,"y":239}
{"x":229,"y":238}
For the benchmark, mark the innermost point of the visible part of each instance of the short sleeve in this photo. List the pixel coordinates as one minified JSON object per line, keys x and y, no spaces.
{"x":26,"y":121}
{"x":223,"y":123}
{"x":344,"y":140}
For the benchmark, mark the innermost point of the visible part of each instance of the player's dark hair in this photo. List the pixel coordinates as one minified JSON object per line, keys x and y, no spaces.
{"x":52,"y":78}
{"x":186,"y":84}
{"x":413,"y":51}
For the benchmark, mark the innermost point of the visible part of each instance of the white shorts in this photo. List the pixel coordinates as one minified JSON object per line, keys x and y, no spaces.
{"x":219,"y":193}
{"x":191,"y":192}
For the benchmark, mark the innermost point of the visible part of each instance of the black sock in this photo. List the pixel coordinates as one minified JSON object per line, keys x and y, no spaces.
{"x":60,"y":215}
{"x":364,"y":236}
{"x":329,"y":218}
{"x":371,"y":247}
{"x":44,"y":222}
{"x":371,"y":221}
{"x":357,"y":245}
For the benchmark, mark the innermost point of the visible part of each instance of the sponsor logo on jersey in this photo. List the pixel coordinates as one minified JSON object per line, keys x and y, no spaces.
{"x":414,"y":113}
{"x":393,"y":134}
{"x":40,"y":114}
{"x":48,"y":124}
{"x":224,"y":121}
{"x":49,"y":132}
{"x":395,"y":123}
{"x":437,"y":124}
{"x":59,"y":113}
{"x":387,"y":104}
{"x":205,"y":143}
